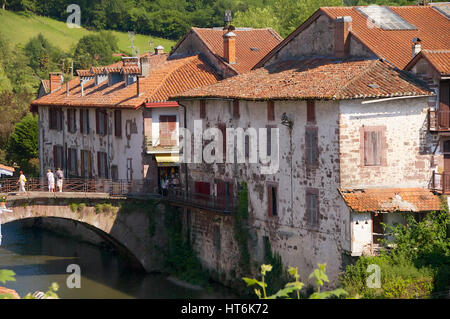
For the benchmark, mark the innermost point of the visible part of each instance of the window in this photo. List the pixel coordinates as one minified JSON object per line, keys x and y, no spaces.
{"x":311,"y":146}
{"x":102,"y":164}
{"x":272,"y":202}
{"x":236,"y":109}
{"x":167,"y":126}
{"x":56,"y":119}
{"x":102,"y":122}
{"x":312,"y":206}
{"x":310,"y":111}
{"x":373,"y":146}
{"x":223,"y":129}
{"x":269,"y":139}
{"x":84,"y":121}
{"x":71,"y":120}
{"x":58,"y":156}
{"x":86,"y":164}
{"x":202,"y":109}
{"x":118,"y":123}
{"x":129,"y":169}
{"x":72,"y":164}
{"x":270,"y":111}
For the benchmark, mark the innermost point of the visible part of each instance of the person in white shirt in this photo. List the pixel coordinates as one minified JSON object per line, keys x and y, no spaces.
{"x":51,"y":181}
{"x":22,"y":180}
{"x":59,"y":179}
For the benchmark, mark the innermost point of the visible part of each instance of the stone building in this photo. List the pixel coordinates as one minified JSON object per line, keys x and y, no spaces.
{"x":115,"y":122}
{"x":354,"y":148}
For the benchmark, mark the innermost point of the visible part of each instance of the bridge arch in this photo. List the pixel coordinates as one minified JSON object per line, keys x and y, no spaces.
{"x":124,"y":228}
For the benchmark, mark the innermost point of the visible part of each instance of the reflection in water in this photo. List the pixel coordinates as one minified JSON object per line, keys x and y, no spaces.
{"x":40,"y":257}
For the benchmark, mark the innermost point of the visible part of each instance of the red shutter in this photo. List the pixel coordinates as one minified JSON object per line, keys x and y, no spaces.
{"x":310,"y":111}
{"x":444,"y":108}
{"x":270,"y":111}
{"x":105,"y":122}
{"x":82,"y":114}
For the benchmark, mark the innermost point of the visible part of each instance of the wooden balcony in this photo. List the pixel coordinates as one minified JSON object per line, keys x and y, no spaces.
{"x":439,"y":121}
{"x":440,"y":183}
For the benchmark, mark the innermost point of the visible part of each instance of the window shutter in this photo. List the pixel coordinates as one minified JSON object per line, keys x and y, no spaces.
{"x":269,"y":200}
{"x":310,"y":111}
{"x":69,"y":160}
{"x":82,"y":115}
{"x":236,"y":108}
{"x":61,"y":120}
{"x":269,"y":141}
{"x":118,"y":123}
{"x":270,"y":111}
{"x":372,"y":148}
{"x":99,"y":168}
{"x":83,"y":172}
{"x":202,"y":109}
{"x":97,"y":121}
{"x":55,"y":157}
{"x":105,"y":123}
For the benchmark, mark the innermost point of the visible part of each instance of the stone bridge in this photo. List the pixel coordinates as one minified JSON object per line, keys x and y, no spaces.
{"x":133,"y":226}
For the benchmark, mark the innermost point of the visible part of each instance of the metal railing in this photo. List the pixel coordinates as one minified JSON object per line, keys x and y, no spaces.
{"x":133,"y":188}
{"x":81,"y":185}
{"x":440,"y":182}
{"x":438,"y":120}
{"x":221,"y":204}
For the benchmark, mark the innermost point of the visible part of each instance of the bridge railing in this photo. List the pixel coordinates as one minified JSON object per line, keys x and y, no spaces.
{"x":81,"y":185}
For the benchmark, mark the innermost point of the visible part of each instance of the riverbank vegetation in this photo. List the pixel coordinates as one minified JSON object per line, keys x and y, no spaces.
{"x":416,"y":266}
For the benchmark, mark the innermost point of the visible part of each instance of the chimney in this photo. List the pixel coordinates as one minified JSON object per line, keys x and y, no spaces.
{"x":342,"y":27}
{"x":229,"y":47}
{"x":55,"y":81}
{"x":416,"y":46}
{"x":145,"y":66}
{"x":159,"y":50}
{"x":138,"y":85}
{"x":82,"y":88}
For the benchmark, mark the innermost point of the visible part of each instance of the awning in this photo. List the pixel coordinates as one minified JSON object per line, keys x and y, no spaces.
{"x":6,"y":170}
{"x":167,"y":160}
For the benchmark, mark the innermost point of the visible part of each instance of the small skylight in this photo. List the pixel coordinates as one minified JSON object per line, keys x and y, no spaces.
{"x":443,"y":8}
{"x":254,"y":49}
{"x":384,"y":18}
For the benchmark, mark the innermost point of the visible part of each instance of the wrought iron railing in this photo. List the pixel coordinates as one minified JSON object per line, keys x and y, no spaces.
{"x":440,"y":182}
{"x":222,"y":204}
{"x":81,"y":185}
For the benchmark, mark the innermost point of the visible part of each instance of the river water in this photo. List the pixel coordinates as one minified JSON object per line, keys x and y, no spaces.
{"x":40,"y":257}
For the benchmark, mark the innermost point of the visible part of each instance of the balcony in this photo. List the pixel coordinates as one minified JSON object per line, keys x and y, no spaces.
{"x":150,"y":149}
{"x":438,"y":121}
{"x":221,"y":205}
{"x":440,"y":183}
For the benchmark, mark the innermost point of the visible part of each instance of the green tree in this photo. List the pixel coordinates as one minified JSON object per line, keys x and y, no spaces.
{"x":95,"y":50}
{"x":22,"y":145}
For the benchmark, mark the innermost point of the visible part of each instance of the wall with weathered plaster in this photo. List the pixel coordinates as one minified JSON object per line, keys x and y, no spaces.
{"x":408,"y":149}
{"x":119,"y":149}
{"x":298,"y":243}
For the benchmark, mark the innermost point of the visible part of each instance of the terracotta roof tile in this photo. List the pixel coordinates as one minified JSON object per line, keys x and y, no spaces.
{"x":391,"y":200}
{"x":433,"y":29}
{"x":167,"y":76}
{"x":251,"y":44}
{"x":316,"y":78}
{"x":439,"y":59}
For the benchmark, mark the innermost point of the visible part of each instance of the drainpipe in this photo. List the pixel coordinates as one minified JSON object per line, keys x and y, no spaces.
{"x":185,"y":164}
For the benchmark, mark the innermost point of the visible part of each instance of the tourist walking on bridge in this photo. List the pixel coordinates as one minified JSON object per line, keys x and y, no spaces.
{"x":22,"y":180}
{"x":59,"y":179}
{"x":51,"y":181}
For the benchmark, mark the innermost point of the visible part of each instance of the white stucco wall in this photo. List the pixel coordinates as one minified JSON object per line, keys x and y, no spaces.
{"x":119,"y":149}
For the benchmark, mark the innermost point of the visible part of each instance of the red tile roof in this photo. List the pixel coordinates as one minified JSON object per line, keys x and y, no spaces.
{"x":167,"y":76}
{"x":433,"y":29}
{"x":439,"y":59}
{"x":251,"y":45}
{"x":316,"y":78}
{"x":391,"y":200}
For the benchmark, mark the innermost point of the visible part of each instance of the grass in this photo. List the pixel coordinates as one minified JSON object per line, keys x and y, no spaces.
{"x":19,"y":28}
